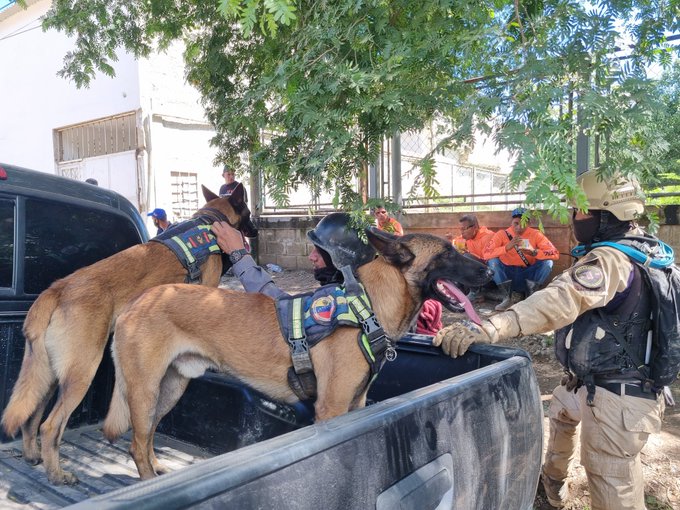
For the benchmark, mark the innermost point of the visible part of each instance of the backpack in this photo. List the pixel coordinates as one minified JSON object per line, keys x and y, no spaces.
{"x":656,"y":262}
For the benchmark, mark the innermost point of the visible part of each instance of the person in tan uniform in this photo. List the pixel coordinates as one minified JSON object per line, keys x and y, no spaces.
{"x":602,"y":291}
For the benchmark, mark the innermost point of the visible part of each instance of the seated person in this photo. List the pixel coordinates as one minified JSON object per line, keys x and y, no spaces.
{"x":385,"y":223}
{"x":471,"y":242}
{"x":521,"y":259}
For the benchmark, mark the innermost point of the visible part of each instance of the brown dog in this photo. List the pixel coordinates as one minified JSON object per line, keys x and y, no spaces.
{"x":69,"y":324}
{"x":173,"y":333}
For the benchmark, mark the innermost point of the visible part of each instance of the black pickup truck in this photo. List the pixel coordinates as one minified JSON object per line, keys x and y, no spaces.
{"x":438,"y":433}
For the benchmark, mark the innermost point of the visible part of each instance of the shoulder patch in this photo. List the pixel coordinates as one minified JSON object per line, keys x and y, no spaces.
{"x":322,"y":309}
{"x":590,"y":276}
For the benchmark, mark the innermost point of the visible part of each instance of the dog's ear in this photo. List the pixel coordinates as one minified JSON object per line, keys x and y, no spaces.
{"x":237,"y":196}
{"x":390,"y":247}
{"x":207,"y":194}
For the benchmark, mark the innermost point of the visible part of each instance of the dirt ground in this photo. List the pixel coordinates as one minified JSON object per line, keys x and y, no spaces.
{"x":660,"y":457}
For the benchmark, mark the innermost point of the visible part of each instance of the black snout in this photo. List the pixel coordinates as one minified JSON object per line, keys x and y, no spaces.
{"x":248,"y":228}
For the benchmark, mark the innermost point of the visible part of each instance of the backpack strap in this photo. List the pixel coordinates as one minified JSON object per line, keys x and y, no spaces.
{"x":664,"y":256}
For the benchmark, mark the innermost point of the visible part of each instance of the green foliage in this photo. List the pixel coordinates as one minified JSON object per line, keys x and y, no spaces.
{"x":331,"y":78}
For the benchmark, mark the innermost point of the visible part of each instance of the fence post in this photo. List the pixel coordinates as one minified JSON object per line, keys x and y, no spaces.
{"x":396,"y":168}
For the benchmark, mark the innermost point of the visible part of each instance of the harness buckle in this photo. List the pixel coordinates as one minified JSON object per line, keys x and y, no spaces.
{"x":299,"y":352}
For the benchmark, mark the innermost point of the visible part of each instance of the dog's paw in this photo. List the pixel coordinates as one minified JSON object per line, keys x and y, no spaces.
{"x":62,"y":478}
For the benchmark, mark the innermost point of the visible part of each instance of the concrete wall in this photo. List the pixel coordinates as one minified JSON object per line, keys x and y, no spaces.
{"x":283,"y":241}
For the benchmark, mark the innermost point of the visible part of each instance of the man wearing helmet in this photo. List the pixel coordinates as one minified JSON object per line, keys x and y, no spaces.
{"x":603,"y":292}
{"x":336,"y":244}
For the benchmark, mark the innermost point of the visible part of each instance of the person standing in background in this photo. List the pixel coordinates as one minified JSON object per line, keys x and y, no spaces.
{"x":230,"y":183}
{"x":160,"y":220}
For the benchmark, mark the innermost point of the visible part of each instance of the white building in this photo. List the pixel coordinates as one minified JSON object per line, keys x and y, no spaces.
{"x":142,"y":133}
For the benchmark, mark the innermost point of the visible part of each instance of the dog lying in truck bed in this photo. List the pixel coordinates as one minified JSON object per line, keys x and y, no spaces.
{"x":163,"y":339}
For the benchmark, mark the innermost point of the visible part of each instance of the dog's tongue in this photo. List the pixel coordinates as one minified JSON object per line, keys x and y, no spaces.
{"x":456,"y":293}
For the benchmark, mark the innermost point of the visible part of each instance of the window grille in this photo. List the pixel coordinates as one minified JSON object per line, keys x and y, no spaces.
{"x":97,"y":138}
{"x":184,"y":189}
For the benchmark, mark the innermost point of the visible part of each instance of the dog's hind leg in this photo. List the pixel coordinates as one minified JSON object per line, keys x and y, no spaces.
{"x":29,"y":430}
{"x":172,"y":388}
{"x":76,"y":370}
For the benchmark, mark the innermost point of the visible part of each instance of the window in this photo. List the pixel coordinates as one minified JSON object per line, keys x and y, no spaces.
{"x":61,"y":238}
{"x":6,"y":242}
{"x":184,"y":186}
{"x":97,"y":138}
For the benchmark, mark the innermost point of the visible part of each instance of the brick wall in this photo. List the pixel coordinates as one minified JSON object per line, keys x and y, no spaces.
{"x":283,"y":241}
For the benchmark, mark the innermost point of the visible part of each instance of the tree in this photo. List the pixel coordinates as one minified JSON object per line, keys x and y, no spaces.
{"x":331,"y":78}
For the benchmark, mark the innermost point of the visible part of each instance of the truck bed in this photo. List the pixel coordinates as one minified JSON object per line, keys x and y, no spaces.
{"x":101,"y":467}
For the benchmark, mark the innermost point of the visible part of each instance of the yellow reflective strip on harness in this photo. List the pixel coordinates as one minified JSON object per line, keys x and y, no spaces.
{"x":187,"y":251}
{"x":296,"y":321}
{"x":363,"y":308}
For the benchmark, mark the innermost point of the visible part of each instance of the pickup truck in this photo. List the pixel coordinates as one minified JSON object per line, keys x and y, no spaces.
{"x":437,"y":433}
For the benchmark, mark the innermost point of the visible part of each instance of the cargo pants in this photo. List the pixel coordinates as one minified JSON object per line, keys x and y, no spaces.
{"x":613,"y":432}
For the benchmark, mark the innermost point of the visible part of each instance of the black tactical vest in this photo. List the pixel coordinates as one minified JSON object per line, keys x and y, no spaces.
{"x":593,"y":349}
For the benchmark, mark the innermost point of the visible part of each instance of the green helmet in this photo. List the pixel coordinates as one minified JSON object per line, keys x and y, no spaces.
{"x":619,"y":195}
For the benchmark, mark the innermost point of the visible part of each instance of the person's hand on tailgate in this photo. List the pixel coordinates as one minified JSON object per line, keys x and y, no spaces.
{"x":456,"y":338}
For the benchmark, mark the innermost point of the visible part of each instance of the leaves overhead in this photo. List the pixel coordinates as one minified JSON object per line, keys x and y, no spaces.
{"x":329,"y":79}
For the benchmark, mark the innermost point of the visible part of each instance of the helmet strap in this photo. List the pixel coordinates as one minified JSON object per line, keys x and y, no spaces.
{"x":352,"y":287}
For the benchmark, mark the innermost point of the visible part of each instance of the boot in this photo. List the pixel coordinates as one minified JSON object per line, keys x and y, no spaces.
{"x":506,"y":290}
{"x":532,"y":287}
{"x":475,"y":296}
{"x":556,"y":492}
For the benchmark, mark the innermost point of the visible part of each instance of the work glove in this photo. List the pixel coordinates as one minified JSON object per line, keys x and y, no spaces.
{"x":457,"y":338}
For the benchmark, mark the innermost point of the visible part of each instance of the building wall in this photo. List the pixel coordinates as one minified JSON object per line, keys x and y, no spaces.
{"x":34,"y":100}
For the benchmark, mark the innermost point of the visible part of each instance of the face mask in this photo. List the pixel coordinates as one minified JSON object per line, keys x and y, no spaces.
{"x":585,"y":230}
{"x":327,"y":275}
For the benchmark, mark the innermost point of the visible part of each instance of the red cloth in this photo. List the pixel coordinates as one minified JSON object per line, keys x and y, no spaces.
{"x":430,"y":318}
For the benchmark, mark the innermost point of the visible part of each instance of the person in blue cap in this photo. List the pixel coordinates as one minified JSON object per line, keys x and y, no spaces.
{"x":160,"y":220}
{"x":521,"y":258}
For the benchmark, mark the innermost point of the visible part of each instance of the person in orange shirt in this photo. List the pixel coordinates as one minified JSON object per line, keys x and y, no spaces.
{"x":521,"y":259}
{"x":471,"y":242}
{"x":386,"y":223}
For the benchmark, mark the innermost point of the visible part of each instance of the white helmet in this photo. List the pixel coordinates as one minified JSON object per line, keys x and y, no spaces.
{"x":621,"y":196}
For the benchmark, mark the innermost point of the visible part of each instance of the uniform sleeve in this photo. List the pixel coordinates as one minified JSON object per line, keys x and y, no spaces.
{"x":255,"y":279}
{"x":496,"y":246}
{"x":589,"y":284}
{"x":546,"y":249}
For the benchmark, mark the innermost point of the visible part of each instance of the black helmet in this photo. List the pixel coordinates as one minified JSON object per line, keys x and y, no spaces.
{"x":335,"y":235}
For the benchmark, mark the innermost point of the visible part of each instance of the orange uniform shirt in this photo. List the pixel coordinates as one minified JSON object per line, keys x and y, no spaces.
{"x":392,"y":227}
{"x":477,"y":244}
{"x":496,"y":248}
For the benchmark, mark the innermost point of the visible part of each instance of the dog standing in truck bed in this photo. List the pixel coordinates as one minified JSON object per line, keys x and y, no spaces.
{"x":68,"y":326}
{"x":162,"y":340}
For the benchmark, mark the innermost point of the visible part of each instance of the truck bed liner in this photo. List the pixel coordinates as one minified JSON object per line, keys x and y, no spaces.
{"x":100,"y":466}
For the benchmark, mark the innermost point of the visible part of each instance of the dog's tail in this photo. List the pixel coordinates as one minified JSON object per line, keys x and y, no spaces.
{"x":117,"y":420}
{"x":36,"y":376}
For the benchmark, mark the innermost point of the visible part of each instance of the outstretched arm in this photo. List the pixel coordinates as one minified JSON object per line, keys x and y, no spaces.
{"x":252,"y":277}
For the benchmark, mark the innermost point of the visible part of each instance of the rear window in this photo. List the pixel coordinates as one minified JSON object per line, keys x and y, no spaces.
{"x":6,"y":242}
{"x":61,"y":238}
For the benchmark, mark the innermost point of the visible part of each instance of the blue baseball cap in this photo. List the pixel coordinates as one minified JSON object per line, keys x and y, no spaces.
{"x":158,"y":213}
{"x":518,"y":212}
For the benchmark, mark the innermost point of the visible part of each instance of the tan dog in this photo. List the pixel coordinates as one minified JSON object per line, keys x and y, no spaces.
{"x":173,"y":333}
{"x":68,"y":326}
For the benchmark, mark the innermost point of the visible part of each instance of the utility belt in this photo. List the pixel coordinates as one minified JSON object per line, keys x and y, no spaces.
{"x":619,"y":386}
{"x":632,"y":389}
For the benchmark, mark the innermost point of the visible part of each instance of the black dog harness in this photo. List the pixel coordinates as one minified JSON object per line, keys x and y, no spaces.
{"x":192,"y":242}
{"x":306,"y":319}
